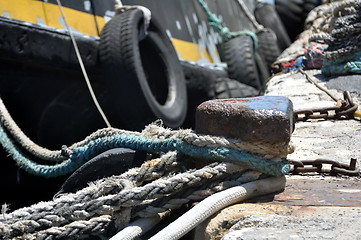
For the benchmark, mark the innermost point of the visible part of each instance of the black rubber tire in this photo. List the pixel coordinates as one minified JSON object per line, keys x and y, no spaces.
{"x":240,"y":58}
{"x":200,"y":81}
{"x":112,"y":162}
{"x":228,"y":88}
{"x":267,"y":46}
{"x":143,"y":76}
{"x":267,"y":15}
{"x":293,"y":14}
{"x":262,"y":69}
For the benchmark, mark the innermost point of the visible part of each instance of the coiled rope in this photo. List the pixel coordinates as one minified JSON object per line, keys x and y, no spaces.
{"x":343,"y":37}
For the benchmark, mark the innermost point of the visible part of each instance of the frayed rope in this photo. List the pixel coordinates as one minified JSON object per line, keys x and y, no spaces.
{"x":79,"y":155}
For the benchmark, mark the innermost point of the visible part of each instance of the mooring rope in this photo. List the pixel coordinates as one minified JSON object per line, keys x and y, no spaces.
{"x":154,"y":138}
{"x":73,"y":209}
{"x":80,"y":155}
{"x":216,"y":202}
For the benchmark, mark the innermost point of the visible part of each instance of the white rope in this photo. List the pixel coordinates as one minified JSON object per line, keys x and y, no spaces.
{"x":82,"y":66}
{"x":136,"y":229}
{"x":250,"y":16}
{"x":216,"y":202}
{"x":147,"y":14}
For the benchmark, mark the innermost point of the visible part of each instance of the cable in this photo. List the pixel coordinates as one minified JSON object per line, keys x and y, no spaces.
{"x":83,"y":67}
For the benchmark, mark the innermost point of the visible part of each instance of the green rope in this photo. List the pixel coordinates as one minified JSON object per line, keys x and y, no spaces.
{"x":224,"y":32}
{"x":80,"y":155}
{"x":343,"y":65}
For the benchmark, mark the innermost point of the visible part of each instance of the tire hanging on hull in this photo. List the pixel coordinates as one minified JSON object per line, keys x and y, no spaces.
{"x":143,"y":75}
{"x":239,"y":54}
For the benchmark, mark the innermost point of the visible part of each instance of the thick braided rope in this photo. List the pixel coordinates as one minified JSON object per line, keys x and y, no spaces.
{"x":175,"y":202}
{"x":38,"y":151}
{"x":69,"y":208}
{"x":72,"y":230}
{"x":104,"y":139}
{"x":269,"y":150}
{"x":149,"y":171}
{"x":79,"y":155}
{"x":343,"y":34}
{"x":43,"y":153}
{"x":96,"y":224}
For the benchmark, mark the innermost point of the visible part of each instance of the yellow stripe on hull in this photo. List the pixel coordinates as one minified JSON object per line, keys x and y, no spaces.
{"x":38,"y":12}
{"x":190,"y":51}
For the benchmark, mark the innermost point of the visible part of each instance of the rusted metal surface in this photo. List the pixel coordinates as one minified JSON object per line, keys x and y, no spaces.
{"x":318,"y":167}
{"x":268,"y":118}
{"x":310,"y":207}
{"x":318,"y":191}
{"x":344,"y":107}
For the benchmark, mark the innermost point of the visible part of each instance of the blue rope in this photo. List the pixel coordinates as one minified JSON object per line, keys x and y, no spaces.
{"x":344,"y":65}
{"x":78,"y":156}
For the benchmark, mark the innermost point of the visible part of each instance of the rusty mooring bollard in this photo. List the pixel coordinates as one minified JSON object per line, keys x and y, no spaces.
{"x":268,"y":119}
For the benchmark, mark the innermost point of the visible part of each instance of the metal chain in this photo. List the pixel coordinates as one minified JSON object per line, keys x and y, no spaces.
{"x":344,"y":107}
{"x":317,"y":166}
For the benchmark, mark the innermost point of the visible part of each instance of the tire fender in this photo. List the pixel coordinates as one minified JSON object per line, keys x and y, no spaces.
{"x":144,"y":77}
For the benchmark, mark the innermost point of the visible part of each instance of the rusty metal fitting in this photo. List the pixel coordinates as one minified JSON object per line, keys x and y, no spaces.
{"x":344,"y":107}
{"x":299,"y":166}
{"x":268,"y":119}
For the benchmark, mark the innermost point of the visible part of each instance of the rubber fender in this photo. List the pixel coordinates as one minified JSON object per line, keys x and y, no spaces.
{"x":228,"y":88}
{"x":239,"y":55}
{"x":143,"y":75}
{"x":112,"y":162}
{"x":267,"y":15}
{"x":293,"y":14}
{"x":267,"y":46}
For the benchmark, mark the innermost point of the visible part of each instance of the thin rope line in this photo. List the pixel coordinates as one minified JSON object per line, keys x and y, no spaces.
{"x":309,"y":78}
{"x":82,"y":67}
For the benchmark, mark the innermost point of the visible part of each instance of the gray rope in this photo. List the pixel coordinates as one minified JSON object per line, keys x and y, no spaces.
{"x":72,"y":230}
{"x":150,"y":215}
{"x":71,"y":207}
{"x":23,"y":140}
{"x":43,"y":153}
{"x":216,"y":202}
{"x":343,"y":32}
{"x":191,"y":195}
{"x":268,"y":150}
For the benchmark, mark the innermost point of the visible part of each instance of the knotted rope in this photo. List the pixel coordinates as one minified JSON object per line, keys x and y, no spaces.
{"x":153,"y":139}
{"x":158,"y":186}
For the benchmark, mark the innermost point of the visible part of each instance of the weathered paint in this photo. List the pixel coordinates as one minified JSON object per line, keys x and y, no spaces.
{"x":186,"y":22}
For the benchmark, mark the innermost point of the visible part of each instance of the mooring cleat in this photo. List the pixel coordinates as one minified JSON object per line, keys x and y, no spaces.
{"x":258,"y":119}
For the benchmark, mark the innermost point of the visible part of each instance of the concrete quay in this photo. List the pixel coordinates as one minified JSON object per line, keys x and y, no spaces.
{"x":312,"y":206}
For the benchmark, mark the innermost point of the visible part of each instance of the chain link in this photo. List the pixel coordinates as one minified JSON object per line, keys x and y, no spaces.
{"x":344,"y":107}
{"x":317,"y":166}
